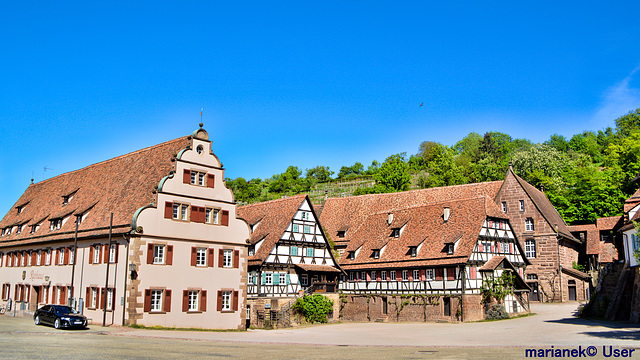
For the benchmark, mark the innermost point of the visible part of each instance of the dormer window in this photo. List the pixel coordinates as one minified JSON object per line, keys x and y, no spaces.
{"x":33,"y":229}
{"x":252,"y":250}
{"x":351,"y":255}
{"x":413,"y":251}
{"x":341,"y":234}
{"x":19,"y":229}
{"x":449,"y":248}
{"x":55,"y":224}
{"x":376,"y":254}
{"x":395,"y":233}
{"x":19,"y":208}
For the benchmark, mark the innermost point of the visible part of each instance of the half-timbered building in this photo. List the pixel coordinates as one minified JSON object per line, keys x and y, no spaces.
{"x":147,"y":238}
{"x":288,"y":254}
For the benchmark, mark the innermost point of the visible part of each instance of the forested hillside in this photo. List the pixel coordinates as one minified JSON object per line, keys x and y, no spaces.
{"x":585,"y":177}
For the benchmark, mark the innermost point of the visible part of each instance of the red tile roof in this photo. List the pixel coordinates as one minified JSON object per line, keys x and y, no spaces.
{"x":317,"y":268}
{"x":272,"y":218}
{"x":120,"y":185}
{"x":492,"y":264}
{"x":609,"y":223}
{"x":592,"y":237}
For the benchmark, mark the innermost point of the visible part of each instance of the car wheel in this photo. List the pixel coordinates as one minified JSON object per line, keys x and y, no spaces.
{"x":37,"y":320}
{"x":56,"y":324}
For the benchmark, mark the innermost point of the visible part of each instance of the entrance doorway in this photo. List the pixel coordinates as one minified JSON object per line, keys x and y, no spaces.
{"x":447,"y":306}
{"x":572,"y":290}
{"x":534,"y":295}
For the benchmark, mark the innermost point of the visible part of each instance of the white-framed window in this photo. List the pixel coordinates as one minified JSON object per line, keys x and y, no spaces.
{"x":416,"y":275}
{"x":383,"y":275}
{"x":28,"y":259}
{"x":504,"y":206}
{"x":96,"y":254}
{"x":55,"y":224}
{"x":373,"y":275}
{"x":156,"y":300}
{"x":486,"y":246}
{"x":201,"y":257}
{"x":351,"y":275}
{"x":112,"y":253}
{"x":180,"y":211}
{"x":530,"y":248}
{"x":413,"y":250}
{"x":227,"y":257}
{"x":72,"y":256}
{"x":268,"y":278}
{"x":94,"y":298}
{"x":521,"y":205}
{"x":430,"y":274}
{"x":193,"y":300}
{"x":18,"y":229}
{"x":293,"y":250}
{"x":47,"y":257}
{"x":158,"y":254}
{"x":307,"y":229}
{"x":201,"y":177}
{"x":109,"y":299}
{"x":304,"y":280}
{"x":376,"y":254}
{"x":528,"y":224}
{"x":61,"y":256}
{"x":38,"y":258}
{"x":198,"y":178}
{"x":252,"y":250}
{"x":405,"y":275}
{"x":392,"y":275}
{"x":226,"y":301}
{"x":504,"y":248}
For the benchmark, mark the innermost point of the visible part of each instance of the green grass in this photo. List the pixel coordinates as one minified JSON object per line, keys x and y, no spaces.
{"x":158,"y":327}
{"x":510,"y":318}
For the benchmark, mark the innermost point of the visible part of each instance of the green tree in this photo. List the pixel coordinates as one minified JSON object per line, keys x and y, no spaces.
{"x":289,"y":182}
{"x":351,"y":171}
{"x":558,"y":142}
{"x":319,"y":174}
{"x":394,"y":173}
{"x":627,"y":124}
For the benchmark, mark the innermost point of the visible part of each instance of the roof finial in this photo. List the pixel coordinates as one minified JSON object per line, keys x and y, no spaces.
{"x":31,"y":181}
{"x":201,"y":125}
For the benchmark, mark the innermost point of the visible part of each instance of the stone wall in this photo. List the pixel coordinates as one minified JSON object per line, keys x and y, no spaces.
{"x":413,"y":308}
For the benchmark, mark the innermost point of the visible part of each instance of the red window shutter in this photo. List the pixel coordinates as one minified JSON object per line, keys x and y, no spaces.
{"x":168,"y":210}
{"x":378,"y":276}
{"x":105,"y":254}
{"x":210,"y":258}
{"x":34,"y":255}
{"x":473,"y":272}
{"x":169,"y":255}
{"x":225,"y":217}
{"x":211,"y":180}
{"x":220,"y":257}
{"x":66,"y":256}
{"x":147,"y":300}
{"x":423,"y":275}
{"x":43,"y":258}
{"x":186,"y":176}
{"x":167,"y":301}
{"x":479,"y":247}
{"x":63,"y":296}
{"x":235,"y":300}
{"x":236,"y":258}
{"x":194,"y":214}
{"x":493,"y":248}
{"x":185,"y":300}
{"x":150,"y":253}
{"x":451,"y":273}
{"x":510,"y":248}
{"x":87,"y":299}
{"x":202,"y":215}
{"x":219,"y":307}
{"x":91,"y":254}
{"x":103,"y":296}
{"x":203,"y":300}
{"x":194,"y":254}
{"x":398,"y":275}
{"x":439,"y":273}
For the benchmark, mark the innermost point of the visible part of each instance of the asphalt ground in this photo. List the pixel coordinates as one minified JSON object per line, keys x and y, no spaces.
{"x":553,"y":325}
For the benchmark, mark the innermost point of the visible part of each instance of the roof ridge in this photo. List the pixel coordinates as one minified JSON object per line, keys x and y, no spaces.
{"x":113,"y":159}
{"x":274,"y":200}
{"x":432,"y":204}
{"x":418,"y":190}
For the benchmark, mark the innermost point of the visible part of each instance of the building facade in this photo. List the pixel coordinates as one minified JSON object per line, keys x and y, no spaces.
{"x":158,"y":241}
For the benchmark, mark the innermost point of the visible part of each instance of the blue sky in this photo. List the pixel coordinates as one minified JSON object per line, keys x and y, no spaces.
{"x":302,"y":83}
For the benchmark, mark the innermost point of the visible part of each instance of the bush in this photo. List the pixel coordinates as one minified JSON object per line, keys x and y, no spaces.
{"x":314,"y":308}
{"x":496,"y":312}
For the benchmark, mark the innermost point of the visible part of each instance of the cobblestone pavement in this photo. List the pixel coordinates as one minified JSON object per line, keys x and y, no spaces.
{"x":553,"y":325}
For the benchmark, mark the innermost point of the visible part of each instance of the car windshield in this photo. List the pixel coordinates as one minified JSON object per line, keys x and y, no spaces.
{"x":64,"y":310}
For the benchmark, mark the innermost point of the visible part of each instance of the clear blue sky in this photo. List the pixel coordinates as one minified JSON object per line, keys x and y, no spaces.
{"x":302,"y":83}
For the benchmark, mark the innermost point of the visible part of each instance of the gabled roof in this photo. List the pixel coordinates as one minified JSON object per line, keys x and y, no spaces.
{"x":576,"y":273}
{"x":425,"y":225}
{"x":120,"y":185}
{"x":272,"y":219}
{"x":350,"y":213}
{"x":545,"y":208}
{"x":592,"y":237}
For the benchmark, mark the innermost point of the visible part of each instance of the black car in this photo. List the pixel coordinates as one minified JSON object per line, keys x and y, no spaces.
{"x":59,"y":316}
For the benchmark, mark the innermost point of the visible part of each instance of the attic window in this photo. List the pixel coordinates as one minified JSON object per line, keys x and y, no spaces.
{"x":33,"y":228}
{"x":67,"y":198}
{"x":376,"y":254}
{"x":449,"y":248}
{"x":341,"y":233}
{"x":56,"y":224}
{"x":252,"y":250}
{"x":351,"y":255}
{"x":413,"y":250}
{"x":395,"y":233}
{"x":20,"y":208}
{"x":19,"y":229}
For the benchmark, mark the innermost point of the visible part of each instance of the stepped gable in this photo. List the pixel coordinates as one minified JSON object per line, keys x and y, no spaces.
{"x":545,"y":207}
{"x":423,"y":225}
{"x":268,"y":221}
{"x":349,"y":213}
{"x":120,"y":185}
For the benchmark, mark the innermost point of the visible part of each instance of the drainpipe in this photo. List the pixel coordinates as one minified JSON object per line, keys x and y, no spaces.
{"x":559,"y":264}
{"x":106,"y":281}
{"x":75,"y":260}
{"x":126,"y":274}
{"x":464,"y":273}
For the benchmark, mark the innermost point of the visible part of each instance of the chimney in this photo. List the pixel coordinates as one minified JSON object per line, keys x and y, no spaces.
{"x":447,"y":213}
{"x":390,"y":219}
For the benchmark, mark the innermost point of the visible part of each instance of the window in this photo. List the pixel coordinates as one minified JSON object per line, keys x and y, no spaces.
{"x":310,"y":252}
{"x":383,"y":275}
{"x":376,"y":254}
{"x":201,"y":179}
{"x":96,"y":254}
{"x":55,"y":224}
{"x":304,"y":215}
{"x":113,"y":250}
{"x":363,"y":276}
{"x":373,"y":275}
{"x":416,"y":275}
{"x":156,"y":300}
{"x":252,"y":250}
{"x":458,"y":274}
{"x":268,"y":278}
{"x":61,"y":256}
{"x":201,"y":257}
{"x":296,"y":228}
{"x":193,"y":300}
{"x":430,"y":274}
{"x":341,"y":234}
{"x":93,"y":304}
{"x":486,"y":246}
{"x":530,"y":248}
{"x":72,"y":256}
{"x":158,"y":254}
{"x":33,"y":229}
{"x":304,"y":280}
{"x":38,"y":258}
{"x":65,"y":199}
{"x":521,"y":205}
{"x":293,"y":250}
{"x":199,"y":149}
{"x":392,"y":275}
{"x":180,"y":211}
{"x":307,"y":229}
{"x":226,"y":301}
{"x":109,"y":299}
{"x":405,"y":275}
{"x":528,"y":224}
{"x":211,"y":216}
{"x":19,"y":208}
{"x":449,"y":249}
{"x":351,"y":275}
{"x":227,"y":258}
{"x":504,"y":206}
{"x":532,"y":277}
{"x":413,"y":250}
{"x":395,"y":233}
{"x":504,"y":248}
{"x":29,"y":257}
{"x":18,"y":229}
{"x":47,"y":258}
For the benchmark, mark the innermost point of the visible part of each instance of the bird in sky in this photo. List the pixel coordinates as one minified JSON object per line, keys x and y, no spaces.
{"x":421,"y":104}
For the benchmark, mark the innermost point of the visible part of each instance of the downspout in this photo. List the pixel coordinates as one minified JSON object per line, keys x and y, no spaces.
{"x":464,"y":276}
{"x":559,"y":264}
{"x":106,"y":281}
{"x":126,"y":273}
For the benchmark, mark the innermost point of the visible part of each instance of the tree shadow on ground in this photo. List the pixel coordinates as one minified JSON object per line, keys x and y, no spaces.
{"x":614,"y":334}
